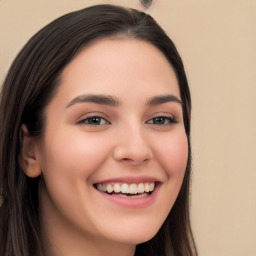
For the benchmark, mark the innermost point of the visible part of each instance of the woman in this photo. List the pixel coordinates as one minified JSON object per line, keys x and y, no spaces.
{"x":95,"y":153}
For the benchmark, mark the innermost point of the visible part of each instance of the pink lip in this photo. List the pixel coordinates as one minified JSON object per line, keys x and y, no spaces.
{"x":130,"y":180}
{"x":132,"y":203}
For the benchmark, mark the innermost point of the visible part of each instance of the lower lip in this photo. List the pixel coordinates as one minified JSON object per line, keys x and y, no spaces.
{"x":133,"y":202}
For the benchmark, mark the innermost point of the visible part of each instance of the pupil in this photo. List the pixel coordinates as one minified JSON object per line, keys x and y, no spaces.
{"x":95,"y":120}
{"x":159,"y":120}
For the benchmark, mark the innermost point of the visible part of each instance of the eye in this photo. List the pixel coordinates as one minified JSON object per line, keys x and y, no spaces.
{"x":94,"y":120}
{"x":162,"y":120}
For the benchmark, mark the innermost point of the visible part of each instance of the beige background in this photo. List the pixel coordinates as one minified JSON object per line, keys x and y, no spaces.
{"x":217,"y":41}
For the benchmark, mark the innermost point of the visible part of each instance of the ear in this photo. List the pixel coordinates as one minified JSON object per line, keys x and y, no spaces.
{"x":29,"y":156}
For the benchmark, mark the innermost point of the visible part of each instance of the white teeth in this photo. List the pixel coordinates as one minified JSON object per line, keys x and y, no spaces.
{"x":125,"y":188}
{"x":117,"y":188}
{"x":101,"y":188}
{"x":146,"y":187}
{"x":141,"y":188}
{"x":134,"y":196}
{"x":133,"y":189}
{"x":151,"y":187}
{"x":109,"y":188}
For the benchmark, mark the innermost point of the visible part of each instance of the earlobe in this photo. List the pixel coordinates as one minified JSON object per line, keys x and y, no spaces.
{"x":29,"y":154}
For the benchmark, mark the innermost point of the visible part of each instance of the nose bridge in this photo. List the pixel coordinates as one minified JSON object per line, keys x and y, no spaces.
{"x":132,"y":144}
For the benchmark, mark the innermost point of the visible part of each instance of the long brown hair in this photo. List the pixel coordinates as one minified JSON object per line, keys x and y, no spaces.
{"x":31,"y":83}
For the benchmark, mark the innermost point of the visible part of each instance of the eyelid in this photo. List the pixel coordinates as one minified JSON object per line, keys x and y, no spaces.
{"x":171,"y":118}
{"x":82,"y":119}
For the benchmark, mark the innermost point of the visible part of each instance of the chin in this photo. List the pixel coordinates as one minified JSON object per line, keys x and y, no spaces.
{"x":135,"y":235}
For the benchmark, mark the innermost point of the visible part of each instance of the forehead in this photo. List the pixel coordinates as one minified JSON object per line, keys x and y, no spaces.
{"x":110,"y":65}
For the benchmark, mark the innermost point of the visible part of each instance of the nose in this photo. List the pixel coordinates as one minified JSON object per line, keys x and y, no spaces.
{"x":132,"y":146}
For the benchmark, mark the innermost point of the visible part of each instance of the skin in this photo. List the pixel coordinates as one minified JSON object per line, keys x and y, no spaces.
{"x":73,"y":155}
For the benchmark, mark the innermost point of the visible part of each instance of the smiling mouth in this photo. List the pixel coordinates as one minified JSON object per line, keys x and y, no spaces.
{"x":133,"y":190}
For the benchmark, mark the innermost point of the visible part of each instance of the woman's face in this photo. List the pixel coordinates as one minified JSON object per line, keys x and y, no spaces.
{"x":114,"y":150}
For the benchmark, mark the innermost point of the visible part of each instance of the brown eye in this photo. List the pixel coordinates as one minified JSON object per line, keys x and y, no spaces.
{"x":159,"y":120}
{"x":94,"y":120}
{"x":162,"y":120}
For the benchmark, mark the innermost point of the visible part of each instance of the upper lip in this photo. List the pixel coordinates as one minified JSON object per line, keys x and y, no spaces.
{"x":130,"y":179}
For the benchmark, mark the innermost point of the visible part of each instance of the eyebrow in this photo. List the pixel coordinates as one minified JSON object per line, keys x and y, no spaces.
{"x":114,"y":102}
{"x":93,"y":98}
{"x":161,"y":99}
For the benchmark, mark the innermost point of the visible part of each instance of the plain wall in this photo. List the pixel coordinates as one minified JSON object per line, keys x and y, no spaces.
{"x":217,"y":41}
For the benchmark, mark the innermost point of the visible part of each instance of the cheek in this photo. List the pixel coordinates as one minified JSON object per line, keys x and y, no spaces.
{"x":69,"y":161}
{"x":73,"y":155}
{"x":172,"y":155}
{"x":175,"y":155}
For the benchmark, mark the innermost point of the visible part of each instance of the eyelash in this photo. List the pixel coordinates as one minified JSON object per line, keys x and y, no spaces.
{"x":97,"y":120}
{"x":168,"y":120}
{"x":94,"y":119}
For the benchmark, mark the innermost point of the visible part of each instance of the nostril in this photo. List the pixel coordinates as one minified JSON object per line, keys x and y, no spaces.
{"x":135,"y":161}
{"x":133,"y":149}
